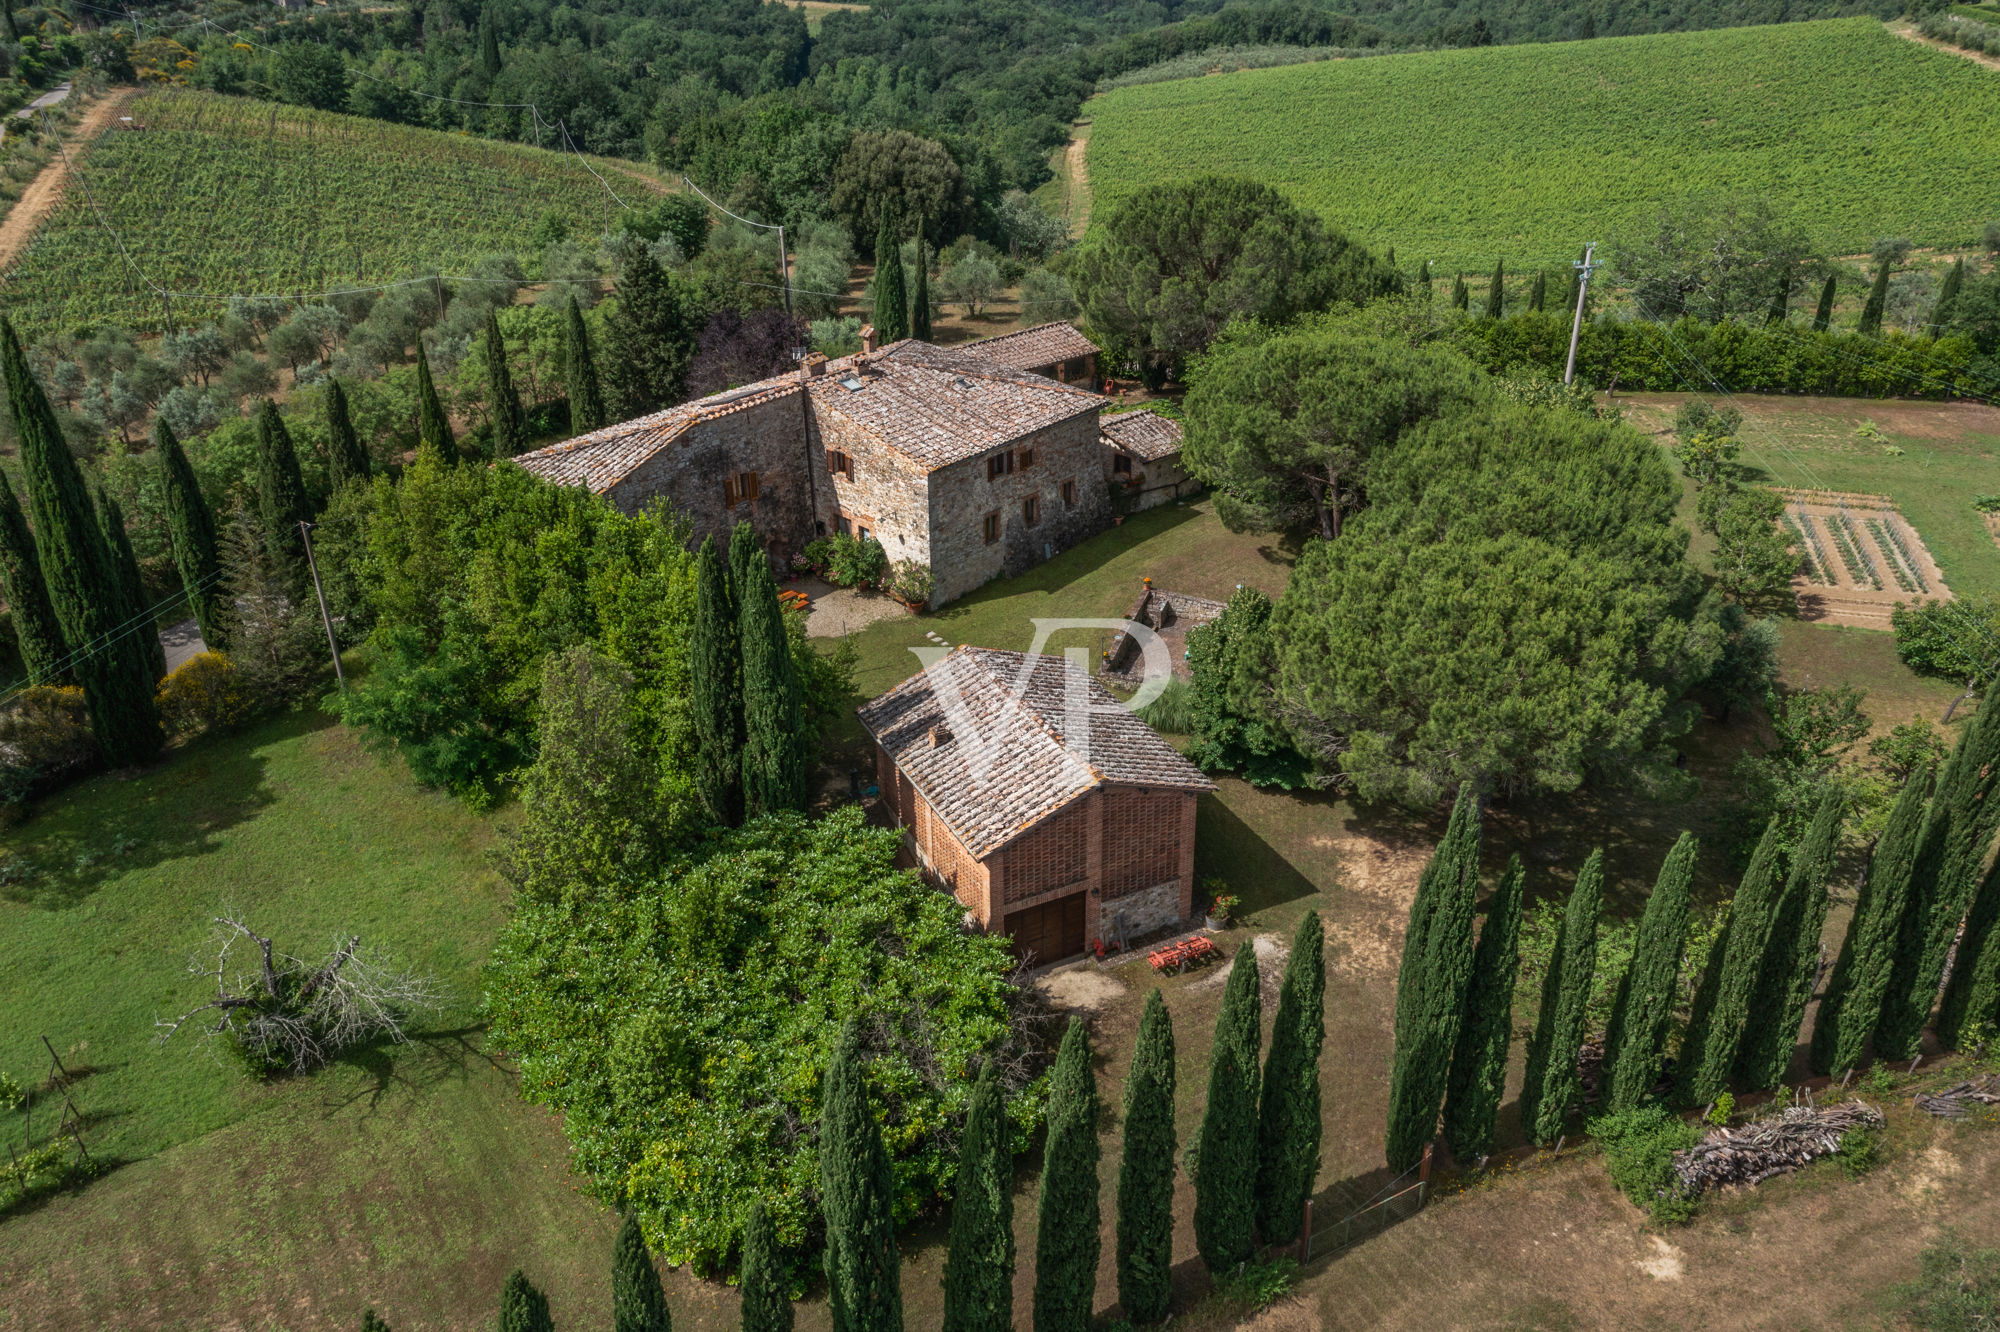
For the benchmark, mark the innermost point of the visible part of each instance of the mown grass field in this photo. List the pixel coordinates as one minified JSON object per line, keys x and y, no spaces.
{"x":1524,"y":153}
{"x":213,"y":196}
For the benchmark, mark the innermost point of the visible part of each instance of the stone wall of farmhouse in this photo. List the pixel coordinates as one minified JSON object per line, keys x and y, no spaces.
{"x":963,"y":496}
{"x":768,"y":438}
{"x":884,"y":490}
{"x":1149,"y":484}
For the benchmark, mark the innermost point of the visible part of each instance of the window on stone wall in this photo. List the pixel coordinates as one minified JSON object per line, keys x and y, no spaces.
{"x":990,"y":525}
{"x":999,"y":465}
{"x":840,"y":524}
{"x":1069,"y":494}
{"x":1027,"y":459}
{"x":839,"y":464}
{"x":1121,"y":463}
{"x":1031,"y":510}
{"x":739,"y":489}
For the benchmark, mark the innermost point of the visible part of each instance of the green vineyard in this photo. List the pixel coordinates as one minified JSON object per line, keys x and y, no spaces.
{"x":1526,"y":152}
{"x":204,"y":197}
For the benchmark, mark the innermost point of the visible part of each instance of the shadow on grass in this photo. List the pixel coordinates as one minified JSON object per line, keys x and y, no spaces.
{"x":413,"y":1067}
{"x":1227,"y":847}
{"x":1080,"y":563}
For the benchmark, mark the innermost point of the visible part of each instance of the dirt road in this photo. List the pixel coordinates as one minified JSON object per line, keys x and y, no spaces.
{"x":46,"y":190}
{"x":1909,"y":32}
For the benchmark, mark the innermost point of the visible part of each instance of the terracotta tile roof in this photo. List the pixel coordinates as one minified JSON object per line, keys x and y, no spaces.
{"x":603,"y":458}
{"x":1145,"y":435}
{"x":1044,"y":344}
{"x":941,"y":406}
{"x":999,"y":766}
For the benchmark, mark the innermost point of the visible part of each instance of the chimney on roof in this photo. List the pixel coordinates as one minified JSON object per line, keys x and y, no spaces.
{"x":814,"y":363}
{"x":869,"y":341}
{"x":940,"y":736}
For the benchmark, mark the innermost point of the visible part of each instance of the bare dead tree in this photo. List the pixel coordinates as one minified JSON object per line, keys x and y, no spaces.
{"x":286,"y":1013}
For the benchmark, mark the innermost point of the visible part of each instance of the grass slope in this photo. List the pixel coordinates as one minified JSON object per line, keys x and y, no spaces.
{"x":1526,"y":152}
{"x":215,"y":195}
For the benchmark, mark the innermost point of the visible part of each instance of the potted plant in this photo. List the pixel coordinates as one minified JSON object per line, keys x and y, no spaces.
{"x":1221,"y":903}
{"x":910,"y":583}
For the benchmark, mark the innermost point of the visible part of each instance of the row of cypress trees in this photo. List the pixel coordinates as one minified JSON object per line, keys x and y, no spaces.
{"x":900,"y":311}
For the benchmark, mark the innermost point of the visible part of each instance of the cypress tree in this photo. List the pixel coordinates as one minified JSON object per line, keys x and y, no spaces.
{"x":370,"y":1322}
{"x":1878,"y":300}
{"x":522,"y":1307}
{"x":1635,"y":1040}
{"x":716,"y":665}
{"x":1852,"y":1004}
{"x":1424,"y":278}
{"x":1461,"y":296}
{"x":1781,"y":298}
{"x":7,"y":14}
{"x":1496,"y":291}
{"x":1972,"y":1001}
{"x":1722,"y":1005}
{"x":510,"y":423}
{"x":920,"y":298}
{"x":777,"y":746}
{"x":864,"y":1290}
{"x":1389,"y":258}
{"x":346,"y":460}
{"x":1479,"y":1064}
{"x":1430,"y":984}
{"x":1551,"y":1085}
{"x":433,"y":427}
{"x":489,"y":43}
{"x":1973,"y":994}
{"x":649,"y":338}
{"x":1288,"y":1118}
{"x":1146,"y":1171}
{"x":191,"y":525}
{"x":130,"y":587}
{"x":586,"y":397}
{"x":1538,"y":295}
{"x":1954,"y":280}
{"x":1784,"y":982}
{"x":1225,"y":1177}
{"x":281,"y":498}
{"x":36,"y":632}
{"x":1066,"y":1230}
{"x":78,"y":573}
{"x":638,"y":1301}
{"x":1823,"y":317}
{"x":892,"y":298}
{"x":979,"y":1264}
{"x":767,"y":1307}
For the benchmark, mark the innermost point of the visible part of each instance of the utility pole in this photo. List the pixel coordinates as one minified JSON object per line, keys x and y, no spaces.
{"x":305,"y":531}
{"x":1584,"y":269}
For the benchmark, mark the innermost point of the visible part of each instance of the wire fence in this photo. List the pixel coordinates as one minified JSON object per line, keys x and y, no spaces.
{"x":1398,"y":1200}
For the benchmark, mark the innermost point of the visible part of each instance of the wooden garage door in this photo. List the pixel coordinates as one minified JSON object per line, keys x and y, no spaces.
{"x":1049,"y":932}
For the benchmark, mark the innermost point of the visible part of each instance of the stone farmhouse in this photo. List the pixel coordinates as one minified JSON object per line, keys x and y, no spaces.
{"x":1142,"y":458}
{"x":1037,"y":800}
{"x":958,"y":459}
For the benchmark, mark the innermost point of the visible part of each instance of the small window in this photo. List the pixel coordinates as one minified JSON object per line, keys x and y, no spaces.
{"x":1069,"y":494}
{"x":1027,"y":459}
{"x":999,"y":465}
{"x":1031,"y":510}
{"x":1121,"y":463}
{"x":839,"y":464}
{"x":991,"y":526}
{"x":840,"y":524}
{"x":862,"y":533}
{"x":739,"y":489}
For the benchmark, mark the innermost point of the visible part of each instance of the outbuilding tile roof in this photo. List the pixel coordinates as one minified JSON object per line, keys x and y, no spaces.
{"x":1145,"y":435}
{"x":981,"y":733}
{"x":603,"y":458}
{"x":1044,"y":344}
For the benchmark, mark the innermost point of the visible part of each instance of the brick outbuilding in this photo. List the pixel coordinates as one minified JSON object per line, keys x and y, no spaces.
{"x":1037,"y":799}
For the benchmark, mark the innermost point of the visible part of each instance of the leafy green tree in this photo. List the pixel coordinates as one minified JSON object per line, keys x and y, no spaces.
{"x":433,"y":426}
{"x":78,"y":572}
{"x":920,"y":296}
{"x":777,"y":744}
{"x":1823,"y":316}
{"x":1232,"y":730}
{"x":523,"y":1308}
{"x":892,"y":299}
{"x":1225,"y":1173}
{"x":510,"y":423}
{"x":131,"y":587}
{"x":1722,"y":1003}
{"x":767,"y":1305}
{"x":901,"y":173}
{"x":1286,"y":428}
{"x":310,"y":74}
{"x":586,"y":397}
{"x":1878,"y":299}
{"x":1852,"y":1004}
{"x":1176,"y":262}
{"x":1784,"y":981}
{"x":371,"y":1322}
{"x":717,"y":689}
{"x":1635,"y":1039}
{"x":979,"y":1263}
{"x":1479,"y":1063}
{"x":36,"y":633}
{"x":346,"y":460}
{"x":638,"y":1300}
{"x":1709,"y":257}
{"x":650,"y":337}
{"x":857,"y":1193}
{"x":1754,"y":557}
{"x":1066,"y":1229}
{"x":1496,"y":291}
{"x":1288,"y":1113}
{"x":1146,"y":1170}
{"x":1954,"y":282}
{"x":1550,"y":1086}
{"x":1431,"y":983}
{"x":1956,"y":640}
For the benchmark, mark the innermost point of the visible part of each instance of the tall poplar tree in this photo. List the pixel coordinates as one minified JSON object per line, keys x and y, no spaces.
{"x":191,"y":528}
{"x":510,"y":423}
{"x":1722,"y":1003}
{"x":36,"y":632}
{"x":1225,"y":1177}
{"x":716,"y":667}
{"x":1288,"y":1113}
{"x":1635,"y":1040}
{"x":1146,"y":1170}
{"x":1852,"y":1004}
{"x":777,"y":744}
{"x":1431,"y":982}
{"x":131,"y":584}
{"x":1496,"y":291}
{"x":523,"y":1308}
{"x":586,"y":394}
{"x":1066,"y":1229}
{"x":78,"y":573}
{"x":1479,"y":1063}
{"x":979,"y":1262}
{"x":1551,"y":1084}
{"x":638,"y":1300}
{"x":346,"y":460}
{"x":281,"y":499}
{"x":892,"y":298}
{"x":1878,"y":300}
{"x":920,"y":297}
{"x":1954,"y":282}
{"x":857,"y":1193}
{"x":433,"y":426}
{"x":1784,"y":981}
{"x":1823,"y":317}
{"x":767,"y":1302}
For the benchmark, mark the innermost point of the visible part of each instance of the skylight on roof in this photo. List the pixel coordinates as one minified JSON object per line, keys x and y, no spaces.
{"x":960,"y":382}
{"x":853,"y":383}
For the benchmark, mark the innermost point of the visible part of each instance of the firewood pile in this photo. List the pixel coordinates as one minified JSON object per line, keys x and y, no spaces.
{"x":1956,"y":1101}
{"x":1771,"y":1146}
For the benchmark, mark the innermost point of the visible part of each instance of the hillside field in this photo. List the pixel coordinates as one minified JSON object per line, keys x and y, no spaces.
{"x":1527,"y":152}
{"x":211,"y":196}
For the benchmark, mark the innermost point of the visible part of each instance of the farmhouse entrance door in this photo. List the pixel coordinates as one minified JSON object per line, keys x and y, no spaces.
{"x":1049,"y":932}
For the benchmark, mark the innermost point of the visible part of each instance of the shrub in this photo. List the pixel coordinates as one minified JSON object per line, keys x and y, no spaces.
{"x":911,"y":582}
{"x":1858,"y":1152}
{"x":40,"y":1171}
{"x":1951,"y":639}
{"x":854,"y":562}
{"x":1639,"y":1147}
{"x":11,"y":1091}
{"x":204,"y":693}
{"x":45,"y":740}
{"x":1259,"y":1284}
{"x":1958,"y":1290}
{"x":1173,"y":710}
